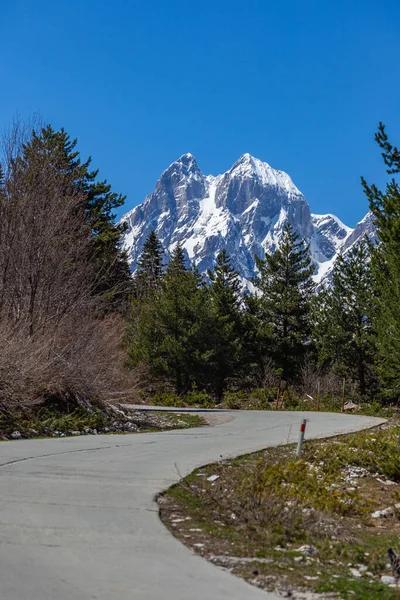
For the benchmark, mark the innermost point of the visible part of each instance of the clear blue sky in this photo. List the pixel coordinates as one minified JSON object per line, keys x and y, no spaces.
{"x":299,"y":84}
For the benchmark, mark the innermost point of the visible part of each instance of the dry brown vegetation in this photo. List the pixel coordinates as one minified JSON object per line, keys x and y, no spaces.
{"x":57,"y":341}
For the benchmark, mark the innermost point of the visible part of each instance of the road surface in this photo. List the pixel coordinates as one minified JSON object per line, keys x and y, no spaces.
{"x":78,"y":519}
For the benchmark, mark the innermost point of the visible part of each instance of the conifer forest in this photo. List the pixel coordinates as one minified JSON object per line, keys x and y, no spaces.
{"x":76,"y":326}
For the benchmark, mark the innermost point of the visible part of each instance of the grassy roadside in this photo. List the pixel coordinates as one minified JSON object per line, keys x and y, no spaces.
{"x":55,"y":422}
{"x":271,"y":400}
{"x":299,"y":526}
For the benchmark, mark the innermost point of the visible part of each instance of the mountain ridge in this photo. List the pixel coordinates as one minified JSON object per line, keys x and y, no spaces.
{"x":243,"y":210}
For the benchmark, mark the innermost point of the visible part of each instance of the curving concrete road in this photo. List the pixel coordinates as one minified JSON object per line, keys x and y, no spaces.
{"x":78,"y":520}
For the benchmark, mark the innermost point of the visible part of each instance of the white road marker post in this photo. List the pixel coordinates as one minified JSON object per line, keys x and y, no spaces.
{"x":301,"y":437}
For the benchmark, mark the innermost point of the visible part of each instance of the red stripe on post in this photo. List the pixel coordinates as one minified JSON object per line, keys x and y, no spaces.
{"x":303,"y":427}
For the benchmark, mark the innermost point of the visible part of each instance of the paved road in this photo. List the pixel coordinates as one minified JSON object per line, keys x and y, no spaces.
{"x":78,"y":520}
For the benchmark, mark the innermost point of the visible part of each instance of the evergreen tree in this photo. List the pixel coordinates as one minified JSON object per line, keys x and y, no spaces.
{"x":385,"y":262}
{"x":286,"y":286}
{"x":227,"y":329}
{"x":149,"y":271}
{"x":177,"y":264}
{"x":255,"y":341}
{"x":98,"y":204}
{"x":343,"y":331}
{"x":200,"y":281}
{"x":169,"y":333}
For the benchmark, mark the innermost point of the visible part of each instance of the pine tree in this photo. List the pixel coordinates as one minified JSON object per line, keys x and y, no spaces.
{"x":169,"y":333}
{"x":286,"y":286}
{"x":149,"y":271}
{"x":343,"y":331}
{"x":177,"y":264}
{"x":385,"y":262}
{"x":227,"y":329}
{"x":255,"y":341}
{"x":98,"y":204}
{"x":200,"y":280}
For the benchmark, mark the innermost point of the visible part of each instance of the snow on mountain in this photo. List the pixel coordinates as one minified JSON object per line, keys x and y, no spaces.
{"x":243,"y":210}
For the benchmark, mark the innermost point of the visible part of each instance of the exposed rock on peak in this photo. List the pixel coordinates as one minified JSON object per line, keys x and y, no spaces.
{"x":243,"y":210}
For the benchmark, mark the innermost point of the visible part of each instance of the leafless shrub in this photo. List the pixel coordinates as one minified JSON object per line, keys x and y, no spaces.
{"x":316,"y":380}
{"x":269,"y":376}
{"x":55,"y":341}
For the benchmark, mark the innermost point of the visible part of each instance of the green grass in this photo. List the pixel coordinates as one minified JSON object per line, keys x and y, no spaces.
{"x":265,"y":399}
{"x":359,"y":590}
{"x":265,"y":506}
{"x":185,"y":420}
{"x":48,"y":421}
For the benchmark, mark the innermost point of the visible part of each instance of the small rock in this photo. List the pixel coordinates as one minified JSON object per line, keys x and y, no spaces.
{"x":298,"y":559}
{"x":198,"y":545}
{"x":351,"y":406}
{"x":382,"y":514}
{"x":213,"y":478}
{"x":307,"y":550}
{"x":355,"y":573}
{"x":386,"y":482}
{"x":388,"y":579}
{"x":16,"y":435}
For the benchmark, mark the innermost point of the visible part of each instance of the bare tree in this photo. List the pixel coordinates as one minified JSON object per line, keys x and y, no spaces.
{"x":54,"y":337}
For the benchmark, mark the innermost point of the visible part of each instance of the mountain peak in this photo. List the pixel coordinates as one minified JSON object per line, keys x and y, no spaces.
{"x":246,"y":157}
{"x":243,"y":210}
{"x":187,"y":159}
{"x":185,"y":166}
{"x":246,"y":160}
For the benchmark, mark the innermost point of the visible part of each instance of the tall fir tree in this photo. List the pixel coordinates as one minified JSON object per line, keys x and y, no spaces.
{"x":98,"y":204}
{"x":169,"y":333}
{"x":385,"y":262}
{"x":343,"y":332}
{"x":286,"y":286}
{"x":149,"y":271}
{"x":227,"y":346}
{"x":177,"y":264}
{"x":256,"y":339}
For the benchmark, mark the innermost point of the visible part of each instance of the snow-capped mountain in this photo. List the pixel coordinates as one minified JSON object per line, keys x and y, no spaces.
{"x":243,"y":210}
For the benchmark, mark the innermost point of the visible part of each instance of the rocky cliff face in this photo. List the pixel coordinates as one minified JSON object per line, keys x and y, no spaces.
{"x":243,"y":210}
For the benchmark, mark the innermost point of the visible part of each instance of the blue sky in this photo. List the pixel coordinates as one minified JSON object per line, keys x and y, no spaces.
{"x":299,"y":84}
